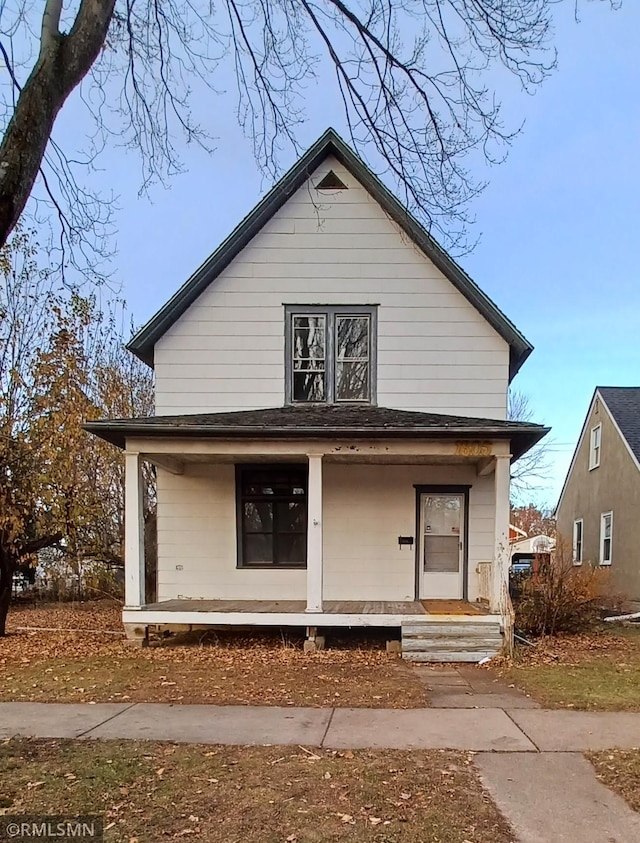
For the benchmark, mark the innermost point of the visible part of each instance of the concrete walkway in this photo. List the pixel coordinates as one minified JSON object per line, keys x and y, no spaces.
{"x":478,"y":729}
{"x":548,"y":794}
{"x":556,"y":799}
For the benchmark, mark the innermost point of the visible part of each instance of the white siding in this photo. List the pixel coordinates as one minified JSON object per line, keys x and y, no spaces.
{"x":366,"y":508}
{"x":435,"y":351}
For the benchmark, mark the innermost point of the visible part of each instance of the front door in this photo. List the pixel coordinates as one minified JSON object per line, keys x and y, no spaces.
{"x":440,"y":528}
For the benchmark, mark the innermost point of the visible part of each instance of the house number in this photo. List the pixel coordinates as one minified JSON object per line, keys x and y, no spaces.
{"x":473,"y":449}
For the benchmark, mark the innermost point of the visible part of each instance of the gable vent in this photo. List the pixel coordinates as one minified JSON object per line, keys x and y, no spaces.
{"x":331,"y":182}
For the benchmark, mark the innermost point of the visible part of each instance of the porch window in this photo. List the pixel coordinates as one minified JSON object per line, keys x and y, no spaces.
{"x":330,"y":354}
{"x":272,"y":516}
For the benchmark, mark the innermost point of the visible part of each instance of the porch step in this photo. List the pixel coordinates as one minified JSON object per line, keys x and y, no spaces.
{"x":450,"y":641}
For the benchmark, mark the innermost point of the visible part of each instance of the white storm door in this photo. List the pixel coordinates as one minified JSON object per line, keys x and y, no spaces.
{"x":441,"y":546}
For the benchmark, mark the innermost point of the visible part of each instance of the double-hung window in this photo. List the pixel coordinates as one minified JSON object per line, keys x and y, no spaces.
{"x":606,"y":537}
{"x":330,"y":354}
{"x":578,"y":528}
{"x":594,"y":450}
{"x":272,"y":516}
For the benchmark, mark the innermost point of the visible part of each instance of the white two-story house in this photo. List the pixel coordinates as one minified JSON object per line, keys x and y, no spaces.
{"x":331,"y":439}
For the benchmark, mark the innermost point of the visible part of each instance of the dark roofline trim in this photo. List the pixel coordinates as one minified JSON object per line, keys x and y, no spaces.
{"x":330,"y":143}
{"x":117,"y":432}
{"x":614,"y":420}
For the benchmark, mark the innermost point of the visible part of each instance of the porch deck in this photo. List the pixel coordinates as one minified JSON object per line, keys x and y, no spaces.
{"x":293,"y":612}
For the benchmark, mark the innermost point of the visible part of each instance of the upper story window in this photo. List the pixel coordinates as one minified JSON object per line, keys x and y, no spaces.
{"x":594,"y":450}
{"x":330,"y":354}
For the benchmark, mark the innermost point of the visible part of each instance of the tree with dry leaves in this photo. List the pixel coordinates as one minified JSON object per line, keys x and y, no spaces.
{"x":61,"y":362}
{"x":26,"y":295}
{"x":409,"y":78}
{"x":533,"y":520}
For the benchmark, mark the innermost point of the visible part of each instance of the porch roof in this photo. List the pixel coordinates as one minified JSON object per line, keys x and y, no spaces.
{"x":320,"y":421}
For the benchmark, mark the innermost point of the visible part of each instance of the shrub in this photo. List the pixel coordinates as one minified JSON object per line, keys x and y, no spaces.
{"x":560,"y":596}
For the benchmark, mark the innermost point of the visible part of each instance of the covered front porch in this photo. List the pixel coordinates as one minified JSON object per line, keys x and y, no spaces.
{"x":366,"y":543}
{"x":383,"y":613}
{"x":344,"y":516}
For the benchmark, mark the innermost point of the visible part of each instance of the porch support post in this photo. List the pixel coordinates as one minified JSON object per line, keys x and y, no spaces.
{"x":134,"y":584}
{"x":500,"y":567}
{"x":314,"y":534}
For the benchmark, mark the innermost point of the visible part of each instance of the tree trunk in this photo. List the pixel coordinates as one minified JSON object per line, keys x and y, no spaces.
{"x":9,"y":561}
{"x":63,"y":62}
{"x":7,"y":569}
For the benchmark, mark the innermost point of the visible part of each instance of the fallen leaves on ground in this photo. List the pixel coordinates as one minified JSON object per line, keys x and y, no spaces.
{"x":620,"y":770}
{"x":573,"y":649}
{"x":258,"y":794}
{"x":599,"y":670}
{"x":245,"y":668}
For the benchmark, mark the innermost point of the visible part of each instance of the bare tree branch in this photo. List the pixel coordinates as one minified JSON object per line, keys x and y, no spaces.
{"x":411,"y":76}
{"x":532,"y":469}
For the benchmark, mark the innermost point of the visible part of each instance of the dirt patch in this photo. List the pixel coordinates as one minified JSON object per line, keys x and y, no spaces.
{"x":148,"y":792}
{"x":620,"y":770}
{"x":262,"y":667}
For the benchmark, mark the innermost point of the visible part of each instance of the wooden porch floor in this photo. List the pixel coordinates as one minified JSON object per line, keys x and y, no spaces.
{"x":335,"y":607}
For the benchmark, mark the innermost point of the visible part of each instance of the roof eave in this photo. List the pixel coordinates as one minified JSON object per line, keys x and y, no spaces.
{"x":117,"y":434}
{"x":330,"y":143}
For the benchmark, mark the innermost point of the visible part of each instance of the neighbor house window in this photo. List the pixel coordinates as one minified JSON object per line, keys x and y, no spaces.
{"x":594,"y":451}
{"x":606,"y":537}
{"x":577,"y":541}
{"x":330,"y":354}
{"x":272,"y":516}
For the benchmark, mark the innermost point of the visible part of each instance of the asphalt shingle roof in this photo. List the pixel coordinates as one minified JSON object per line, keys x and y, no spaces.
{"x":624,"y":405}
{"x":330,"y":421}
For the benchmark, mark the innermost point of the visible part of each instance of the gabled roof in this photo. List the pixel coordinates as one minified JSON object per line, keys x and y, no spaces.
{"x":319,"y":421}
{"x":622,"y":403}
{"x":329,"y":144}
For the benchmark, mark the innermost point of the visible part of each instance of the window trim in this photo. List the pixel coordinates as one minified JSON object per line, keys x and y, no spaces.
{"x":331,"y":311}
{"x":577,"y":559}
{"x":241,"y":565}
{"x":604,"y":515}
{"x":593,"y":463}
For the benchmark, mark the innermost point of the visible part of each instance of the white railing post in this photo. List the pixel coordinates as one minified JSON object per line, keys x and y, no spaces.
{"x":314,"y":534}
{"x":134,"y":569}
{"x":500,"y":577}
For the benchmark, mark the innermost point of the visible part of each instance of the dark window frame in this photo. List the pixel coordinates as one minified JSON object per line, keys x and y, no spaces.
{"x":241,"y":470}
{"x":330,"y":312}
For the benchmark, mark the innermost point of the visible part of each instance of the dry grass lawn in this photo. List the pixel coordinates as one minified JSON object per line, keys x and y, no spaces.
{"x":258,"y":668}
{"x":147,"y":792}
{"x":595,"y":672}
{"x":620,"y":770}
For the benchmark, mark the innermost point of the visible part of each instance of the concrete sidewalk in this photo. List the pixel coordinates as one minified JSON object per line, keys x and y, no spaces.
{"x":481,"y":730}
{"x":556,"y":798}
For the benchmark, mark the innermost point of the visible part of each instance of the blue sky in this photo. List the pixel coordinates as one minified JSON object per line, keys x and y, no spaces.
{"x":558,"y":243}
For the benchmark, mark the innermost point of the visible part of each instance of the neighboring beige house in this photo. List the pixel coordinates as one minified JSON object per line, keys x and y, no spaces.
{"x":331,"y":441}
{"x":599,"y":507}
